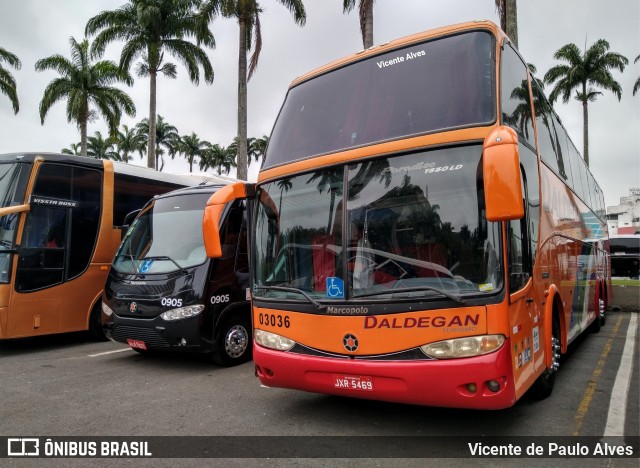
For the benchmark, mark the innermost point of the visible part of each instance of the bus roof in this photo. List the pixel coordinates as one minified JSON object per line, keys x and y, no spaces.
{"x":399,"y":43}
{"x":119,"y":168}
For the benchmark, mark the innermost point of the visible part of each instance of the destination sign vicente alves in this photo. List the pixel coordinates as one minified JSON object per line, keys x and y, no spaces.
{"x":400,"y":59}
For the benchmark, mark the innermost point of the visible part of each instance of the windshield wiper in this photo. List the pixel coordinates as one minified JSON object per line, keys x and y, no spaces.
{"x":162,"y":258}
{"x":395,"y":292}
{"x":294,"y":290}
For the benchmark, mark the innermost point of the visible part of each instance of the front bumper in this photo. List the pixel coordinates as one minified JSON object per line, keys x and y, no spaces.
{"x":431,"y":383}
{"x":158,"y":334}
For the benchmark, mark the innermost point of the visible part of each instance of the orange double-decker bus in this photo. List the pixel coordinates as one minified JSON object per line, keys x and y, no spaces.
{"x":61,"y":220}
{"x":424,"y":230}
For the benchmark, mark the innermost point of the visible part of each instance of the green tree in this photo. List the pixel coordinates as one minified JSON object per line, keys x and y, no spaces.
{"x":582,"y":72}
{"x":100,"y":147}
{"x":193,"y":147}
{"x":257,"y":148}
{"x":365,"y":10}
{"x":74,"y":148}
{"x":87,"y":88}
{"x":7,"y":81}
{"x":128,"y":141}
{"x":219,"y":158}
{"x":151,"y":28}
{"x":166,"y":135}
{"x":247,"y":14}
{"x":508,"y":12}
{"x":636,"y":86}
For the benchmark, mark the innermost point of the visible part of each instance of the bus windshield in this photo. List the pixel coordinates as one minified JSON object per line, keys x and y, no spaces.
{"x":390,"y":227}
{"x":441,"y":84}
{"x":164,"y":238}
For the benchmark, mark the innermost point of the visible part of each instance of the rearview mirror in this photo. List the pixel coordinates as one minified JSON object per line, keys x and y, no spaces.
{"x":501,"y":175}
{"x":213,"y":213}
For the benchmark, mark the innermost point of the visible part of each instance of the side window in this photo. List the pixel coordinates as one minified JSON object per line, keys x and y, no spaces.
{"x":43,"y":256}
{"x":85,"y":218}
{"x":62,"y":227}
{"x":131,"y":193}
{"x":231,"y":231}
{"x":515,"y":98}
{"x":518,"y":249}
{"x":576,"y":170}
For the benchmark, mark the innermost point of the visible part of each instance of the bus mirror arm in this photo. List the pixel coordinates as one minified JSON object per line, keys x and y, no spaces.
{"x":501,"y":175}
{"x":214,"y":210}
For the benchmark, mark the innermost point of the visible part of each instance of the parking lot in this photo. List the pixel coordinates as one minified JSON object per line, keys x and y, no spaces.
{"x":70,"y":386}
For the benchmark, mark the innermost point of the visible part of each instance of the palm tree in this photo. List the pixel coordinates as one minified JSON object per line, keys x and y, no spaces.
{"x":247,"y":13}
{"x":257,"y":148}
{"x":508,"y":12}
{"x":636,"y":86}
{"x":87,"y":89}
{"x":581,"y":72}
{"x":218,"y":157}
{"x":191,"y":146}
{"x":129,"y":140}
{"x":365,"y":9}
{"x":166,"y":135}
{"x":150,"y":28}
{"x":74,"y":148}
{"x":7,"y":81}
{"x":101,"y":148}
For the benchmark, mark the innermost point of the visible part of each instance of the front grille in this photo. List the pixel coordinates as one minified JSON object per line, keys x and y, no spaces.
{"x":151,"y":337}
{"x":409,"y":355}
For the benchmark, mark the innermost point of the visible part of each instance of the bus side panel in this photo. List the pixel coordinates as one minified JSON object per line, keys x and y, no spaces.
{"x":567,"y":229}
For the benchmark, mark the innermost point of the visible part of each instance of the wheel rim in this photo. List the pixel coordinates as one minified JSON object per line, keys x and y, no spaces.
{"x":236,"y":341}
{"x":601,"y":308}
{"x":555,"y":351}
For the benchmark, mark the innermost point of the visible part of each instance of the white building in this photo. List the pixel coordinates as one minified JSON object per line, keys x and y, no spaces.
{"x":625,"y":218}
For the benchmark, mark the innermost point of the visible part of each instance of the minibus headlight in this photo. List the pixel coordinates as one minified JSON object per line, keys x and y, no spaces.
{"x":464,"y":347}
{"x":182,"y":312}
{"x":273,"y":341}
{"x":108,"y":311}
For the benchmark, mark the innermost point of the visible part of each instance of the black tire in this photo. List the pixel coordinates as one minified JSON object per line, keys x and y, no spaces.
{"x":543,"y":386}
{"x":598,"y":322}
{"x":95,"y":323}
{"x":234,"y":344}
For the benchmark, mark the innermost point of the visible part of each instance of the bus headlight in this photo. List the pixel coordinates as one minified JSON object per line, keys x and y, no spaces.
{"x":273,"y":341}
{"x":182,"y":312}
{"x":463,"y":347}
{"x":106,"y":310}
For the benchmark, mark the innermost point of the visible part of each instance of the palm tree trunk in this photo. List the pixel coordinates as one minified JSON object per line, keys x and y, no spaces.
{"x":242,"y":101}
{"x":585,"y":131}
{"x":83,"y":137}
{"x":151,"y":149}
{"x":368,"y":26}
{"x":512,"y":21}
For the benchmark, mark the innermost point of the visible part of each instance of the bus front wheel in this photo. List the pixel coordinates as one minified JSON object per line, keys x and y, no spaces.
{"x":543,"y":386}
{"x":234,"y":342}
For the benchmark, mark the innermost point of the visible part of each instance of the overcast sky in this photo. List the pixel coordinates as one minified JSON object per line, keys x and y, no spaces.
{"x":34,"y":29}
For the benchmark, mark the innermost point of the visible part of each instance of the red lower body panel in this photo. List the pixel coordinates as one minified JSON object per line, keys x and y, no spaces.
{"x":447,"y":383}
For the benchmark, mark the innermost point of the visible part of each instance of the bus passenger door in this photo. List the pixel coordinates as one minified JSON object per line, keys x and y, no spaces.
{"x":42,"y":263}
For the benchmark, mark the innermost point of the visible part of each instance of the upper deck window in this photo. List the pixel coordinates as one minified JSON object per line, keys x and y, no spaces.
{"x":441,"y":84}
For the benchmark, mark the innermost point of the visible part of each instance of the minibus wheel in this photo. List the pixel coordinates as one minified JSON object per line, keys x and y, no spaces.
{"x":234,"y":342}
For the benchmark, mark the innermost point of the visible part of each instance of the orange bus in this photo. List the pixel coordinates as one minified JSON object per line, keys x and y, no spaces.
{"x":61,"y":221}
{"x":424,"y":230}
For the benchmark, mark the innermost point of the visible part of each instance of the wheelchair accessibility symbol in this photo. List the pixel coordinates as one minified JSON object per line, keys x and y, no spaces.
{"x":335,"y":287}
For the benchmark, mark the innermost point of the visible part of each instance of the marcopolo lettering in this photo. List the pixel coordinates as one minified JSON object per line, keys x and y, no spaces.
{"x":348,"y":310}
{"x":422,"y":322}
